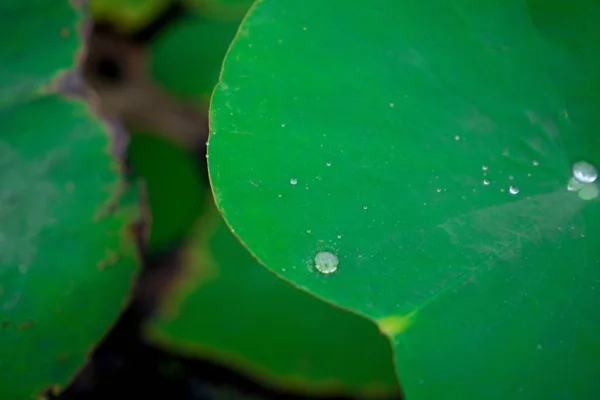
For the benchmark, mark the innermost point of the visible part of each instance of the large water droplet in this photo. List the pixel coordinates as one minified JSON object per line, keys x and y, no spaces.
{"x":585,"y":172}
{"x":486,"y":182}
{"x":293,"y":181}
{"x":326,"y":262}
{"x":484,"y":167}
{"x":513,"y":189}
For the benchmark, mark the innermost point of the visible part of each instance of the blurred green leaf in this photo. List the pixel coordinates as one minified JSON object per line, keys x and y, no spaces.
{"x":224,"y":10}
{"x":228,"y":307}
{"x":429,"y":146}
{"x":128,"y":15}
{"x":186,"y":57}
{"x":174,"y":184}
{"x":67,"y":256}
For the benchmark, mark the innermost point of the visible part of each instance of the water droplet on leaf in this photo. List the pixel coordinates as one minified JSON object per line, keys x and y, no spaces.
{"x":585,"y":172}
{"x":513,"y":189}
{"x":293,"y":181}
{"x":326,"y":262}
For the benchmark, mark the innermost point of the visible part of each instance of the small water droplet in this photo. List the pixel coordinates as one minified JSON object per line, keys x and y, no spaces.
{"x":457,"y":138}
{"x":486,"y":182}
{"x":293,"y":181}
{"x":391,"y":104}
{"x":365,"y":207}
{"x":279,"y":195}
{"x":328,"y":164}
{"x":308,"y":231}
{"x":339,"y":236}
{"x":585,"y":172}
{"x":513,"y":189}
{"x":510,"y":177}
{"x":484,"y":167}
{"x":535,"y":163}
{"x":326,"y":262}
{"x":438,"y":190}
{"x":283,"y":125}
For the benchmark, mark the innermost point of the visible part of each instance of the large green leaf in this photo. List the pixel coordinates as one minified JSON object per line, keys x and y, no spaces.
{"x":429,"y":146}
{"x":230,"y":308}
{"x":67,"y":257}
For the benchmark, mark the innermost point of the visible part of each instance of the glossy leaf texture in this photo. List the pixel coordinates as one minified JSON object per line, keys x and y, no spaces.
{"x":229,"y":308}
{"x":429,"y":146}
{"x":67,"y":255}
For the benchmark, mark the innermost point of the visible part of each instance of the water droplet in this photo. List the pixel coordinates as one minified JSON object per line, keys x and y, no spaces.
{"x":391,"y":104}
{"x":326,"y":262}
{"x":486,"y":182}
{"x":535,"y":163}
{"x":283,"y":125}
{"x":589,"y":192}
{"x":457,"y":138}
{"x":293,"y":181}
{"x":438,"y":190}
{"x":308,"y":231}
{"x":484,"y":167}
{"x":328,"y":164}
{"x":279,"y":195}
{"x":513,"y":189}
{"x":585,"y":172}
{"x":339,"y":236}
{"x":510,"y":177}
{"x":365,"y":207}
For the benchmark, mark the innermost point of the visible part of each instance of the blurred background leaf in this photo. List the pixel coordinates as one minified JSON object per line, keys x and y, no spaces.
{"x":227,"y":307}
{"x":128,"y":15}
{"x":67,"y":242}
